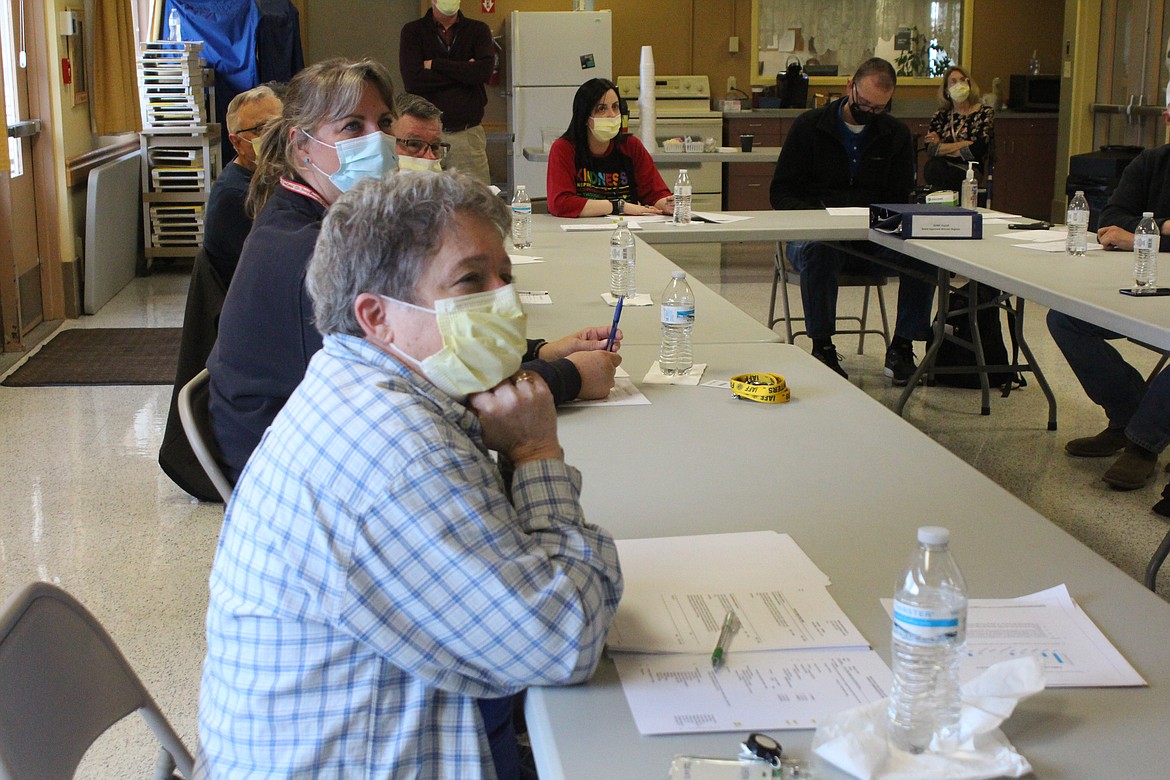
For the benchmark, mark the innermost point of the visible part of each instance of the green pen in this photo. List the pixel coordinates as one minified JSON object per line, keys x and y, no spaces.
{"x":730,"y":624}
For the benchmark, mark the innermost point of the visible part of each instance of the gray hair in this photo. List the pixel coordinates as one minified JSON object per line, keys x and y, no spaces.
{"x":245,"y":98}
{"x":380,"y":235}
{"x":408,"y":104}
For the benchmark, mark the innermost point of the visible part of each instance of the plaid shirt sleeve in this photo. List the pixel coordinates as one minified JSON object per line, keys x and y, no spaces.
{"x":488,"y":597}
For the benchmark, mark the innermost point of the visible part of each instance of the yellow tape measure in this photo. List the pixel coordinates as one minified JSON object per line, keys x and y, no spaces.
{"x":763,"y":387}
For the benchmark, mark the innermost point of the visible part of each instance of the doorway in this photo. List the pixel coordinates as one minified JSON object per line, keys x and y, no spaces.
{"x":22,"y":277}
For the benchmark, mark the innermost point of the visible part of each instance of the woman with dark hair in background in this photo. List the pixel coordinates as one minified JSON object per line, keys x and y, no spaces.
{"x":960,"y":131}
{"x":597,"y":167}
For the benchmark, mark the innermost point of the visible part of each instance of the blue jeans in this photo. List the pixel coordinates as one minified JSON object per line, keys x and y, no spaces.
{"x":819,"y":266}
{"x":501,"y":734}
{"x":1113,"y":384}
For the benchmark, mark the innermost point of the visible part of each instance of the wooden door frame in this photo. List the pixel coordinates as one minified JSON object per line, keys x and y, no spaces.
{"x":44,"y":186}
{"x":45,"y":173}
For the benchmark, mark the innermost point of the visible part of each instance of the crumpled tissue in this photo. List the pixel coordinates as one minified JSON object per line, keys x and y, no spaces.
{"x":855,"y":740}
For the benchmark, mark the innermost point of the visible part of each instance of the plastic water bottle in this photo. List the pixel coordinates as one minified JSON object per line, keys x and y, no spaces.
{"x":1077,"y":220}
{"x":682,"y":198}
{"x":1145,"y":254}
{"x":622,"y":261}
{"x":521,"y":219}
{"x":174,"y":26}
{"x":969,"y":192}
{"x":930,"y":631}
{"x":678,"y":319}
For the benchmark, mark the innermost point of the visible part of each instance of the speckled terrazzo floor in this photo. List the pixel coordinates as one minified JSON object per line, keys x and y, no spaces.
{"x":83,"y":503}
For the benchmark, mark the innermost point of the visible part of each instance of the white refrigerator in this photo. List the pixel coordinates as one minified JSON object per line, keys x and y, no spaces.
{"x":549,"y":55}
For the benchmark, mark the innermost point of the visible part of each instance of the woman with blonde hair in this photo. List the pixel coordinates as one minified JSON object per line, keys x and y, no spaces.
{"x":332,"y":132}
{"x":960,"y":131}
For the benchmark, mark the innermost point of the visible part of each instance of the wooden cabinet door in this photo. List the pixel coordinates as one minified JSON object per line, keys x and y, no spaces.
{"x":1025,"y":166}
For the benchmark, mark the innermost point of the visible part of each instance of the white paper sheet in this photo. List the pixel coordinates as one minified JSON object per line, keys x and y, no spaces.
{"x":534,"y":297}
{"x":608,"y":224}
{"x":1038,"y":236}
{"x":641,"y":299}
{"x":848,"y":211}
{"x":624,"y":393}
{"x":1052,"y":246}
{"x":678,"y":590}
{"x":673,"y":694}
{"x":719,"y":217}
{"x":655,"y":376}
{"x":525,"y":259}
{"x":1049,"y":624}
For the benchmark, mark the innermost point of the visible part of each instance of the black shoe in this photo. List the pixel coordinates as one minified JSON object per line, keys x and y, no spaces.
{"x":900,"y":363}
{"x":828,"y":355}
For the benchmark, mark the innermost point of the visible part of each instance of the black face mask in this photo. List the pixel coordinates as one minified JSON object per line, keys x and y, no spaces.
{"x":861,"y":116}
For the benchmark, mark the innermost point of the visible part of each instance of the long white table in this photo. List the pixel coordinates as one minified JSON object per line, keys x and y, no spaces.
{"x":575,"y":273}
{"x":850,"y":482}
{"x":1085,"y":287}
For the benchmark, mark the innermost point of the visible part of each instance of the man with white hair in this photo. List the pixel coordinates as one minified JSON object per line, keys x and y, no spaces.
{"x":377,"y":575}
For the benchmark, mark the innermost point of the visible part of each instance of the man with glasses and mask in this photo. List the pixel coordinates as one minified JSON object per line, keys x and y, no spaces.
{"x":418,"y":131}
{"x":853,"y":153}
{"x":379,"y":575}
{"x":227,"y":223}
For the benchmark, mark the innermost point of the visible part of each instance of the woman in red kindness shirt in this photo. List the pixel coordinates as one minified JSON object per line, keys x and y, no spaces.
{"x":597,"y":167}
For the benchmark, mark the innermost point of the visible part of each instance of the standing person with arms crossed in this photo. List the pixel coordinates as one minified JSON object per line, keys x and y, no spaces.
{"x":853,"y":153}
{"x":1138,"y":414}
{"x":447,"y":59}
{"x":375,"y":573}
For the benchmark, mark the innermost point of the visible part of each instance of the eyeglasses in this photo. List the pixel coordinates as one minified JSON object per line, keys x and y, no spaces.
{"x":867,"y":106}
{"x":257,"y":129}
{"x":416,"y":147}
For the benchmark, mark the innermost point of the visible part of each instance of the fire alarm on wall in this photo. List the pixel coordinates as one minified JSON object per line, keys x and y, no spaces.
{"x":67,"y":23}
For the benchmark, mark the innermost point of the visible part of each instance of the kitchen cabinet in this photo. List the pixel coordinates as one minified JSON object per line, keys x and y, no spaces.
{"x":745,"y":185}
{"x":1025,"y":165}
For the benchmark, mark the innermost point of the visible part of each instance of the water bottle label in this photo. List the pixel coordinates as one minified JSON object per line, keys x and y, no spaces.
{"x":676,"y":315}
{"x":1078,"y":217}
{"x":522,"y":210}
{"x":921,"y":626}
{"x":1143,"y":241}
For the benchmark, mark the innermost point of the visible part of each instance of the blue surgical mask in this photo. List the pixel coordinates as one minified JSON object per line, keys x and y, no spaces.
{"x":371,"y":156}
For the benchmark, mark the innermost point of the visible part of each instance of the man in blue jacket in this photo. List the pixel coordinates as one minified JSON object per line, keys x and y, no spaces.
{"x":853,"y":153}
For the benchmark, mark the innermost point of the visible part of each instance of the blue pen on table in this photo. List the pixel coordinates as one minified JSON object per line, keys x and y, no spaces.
{"x":617,"y":315}
{"x":730,"y":625}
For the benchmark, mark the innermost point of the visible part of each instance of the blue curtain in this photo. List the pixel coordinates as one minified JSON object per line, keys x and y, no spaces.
{"x":228,"y":31}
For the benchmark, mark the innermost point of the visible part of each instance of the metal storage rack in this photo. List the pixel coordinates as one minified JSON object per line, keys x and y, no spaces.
{"x":180,"y":143}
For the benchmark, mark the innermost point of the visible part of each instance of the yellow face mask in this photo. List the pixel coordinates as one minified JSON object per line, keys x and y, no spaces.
{"x":419,"y":164}
{"x":484,"y":339}
{"x":606,"y":128}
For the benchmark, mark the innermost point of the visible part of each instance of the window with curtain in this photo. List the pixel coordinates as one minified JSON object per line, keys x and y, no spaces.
{"x":920,"y":37}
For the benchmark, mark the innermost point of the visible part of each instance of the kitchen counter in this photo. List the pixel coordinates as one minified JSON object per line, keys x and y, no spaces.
{"x":792,"y":113}
{"x":760,"y":154}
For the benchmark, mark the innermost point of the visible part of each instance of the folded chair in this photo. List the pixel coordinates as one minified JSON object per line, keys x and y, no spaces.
{"x":197,"y":425}
{"x":785,"y":275}
{"x":63,"y":682}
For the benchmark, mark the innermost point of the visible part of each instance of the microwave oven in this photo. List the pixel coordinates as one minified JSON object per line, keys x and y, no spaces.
{"x":1034,"y":93}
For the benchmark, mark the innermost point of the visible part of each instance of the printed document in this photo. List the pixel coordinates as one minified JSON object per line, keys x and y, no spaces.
{"x":674,"y":694}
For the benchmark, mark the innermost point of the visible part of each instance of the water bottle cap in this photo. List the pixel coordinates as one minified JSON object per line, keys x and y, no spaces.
{"x":678,"y":274}
{"x":1147,"y":214}
{"x":1079,"y":193}
{"x":933,"y":535}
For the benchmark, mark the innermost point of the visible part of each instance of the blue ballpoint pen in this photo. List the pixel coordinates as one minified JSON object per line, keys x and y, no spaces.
{"x":617,"y":315}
